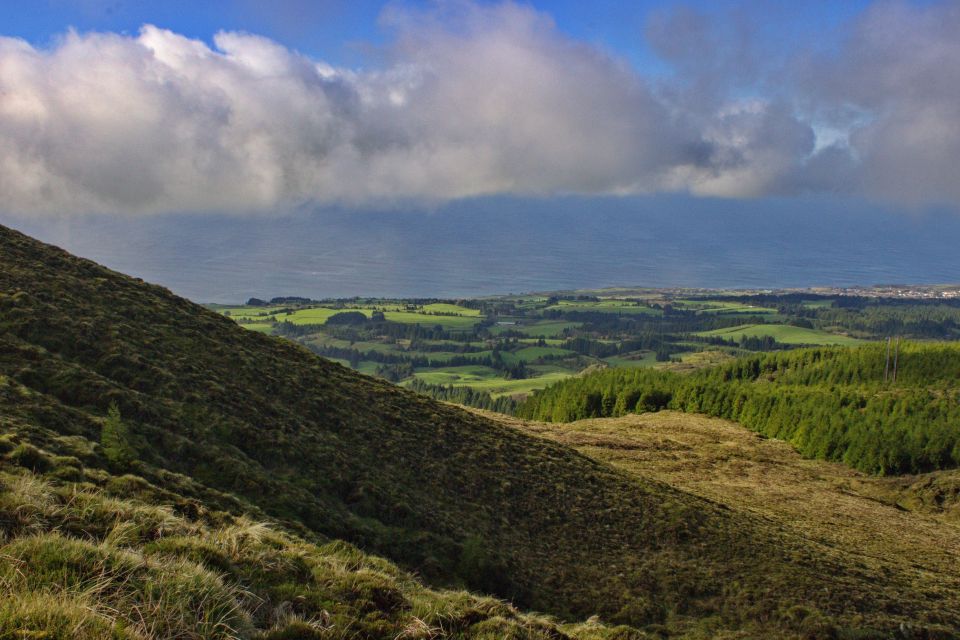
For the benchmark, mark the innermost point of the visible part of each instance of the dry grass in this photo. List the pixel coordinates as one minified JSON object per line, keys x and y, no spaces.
{"x":877,"y":523}
{"x":82,"y":565}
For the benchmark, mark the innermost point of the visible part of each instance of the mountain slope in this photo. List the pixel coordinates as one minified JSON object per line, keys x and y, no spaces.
{"x":909,"y":522}
{"x":92,"y":557}
{"x":241,"y":422}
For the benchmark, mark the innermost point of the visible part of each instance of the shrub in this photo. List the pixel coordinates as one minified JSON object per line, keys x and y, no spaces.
{"x":28,"y":456}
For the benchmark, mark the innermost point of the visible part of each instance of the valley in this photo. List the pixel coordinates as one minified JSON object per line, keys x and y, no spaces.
{"x":492,"y":352}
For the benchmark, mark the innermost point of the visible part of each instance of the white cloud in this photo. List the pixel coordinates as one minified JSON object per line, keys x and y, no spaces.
{"x":472,"y":100}
{"x":899,"y":75}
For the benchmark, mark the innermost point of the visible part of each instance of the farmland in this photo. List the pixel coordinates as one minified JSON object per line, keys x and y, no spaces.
{"x":502,"y":348}
{"x":782,"y":333}
{"x":489,"y":380}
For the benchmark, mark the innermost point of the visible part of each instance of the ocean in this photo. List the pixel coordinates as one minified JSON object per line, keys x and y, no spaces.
{"x":492,"y":246}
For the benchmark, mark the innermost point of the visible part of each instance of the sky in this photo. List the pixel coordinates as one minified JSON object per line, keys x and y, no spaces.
{"x":142,"y":109}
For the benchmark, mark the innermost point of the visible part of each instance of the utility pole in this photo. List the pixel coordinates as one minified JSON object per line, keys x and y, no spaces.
{"x":896,"y":357}
{"x":886,"y":367}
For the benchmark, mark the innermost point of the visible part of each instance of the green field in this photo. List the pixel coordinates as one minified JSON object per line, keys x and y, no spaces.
{"x":783,"y":333}
{"x":486,"y":379}
{"x":380,"y":347}
{"x":545,"y":328}
{"x":455,"y":323}
{"x":431,"y":315}
{"x":452,"y":309}
{"x":552,"y":342}
{"x":262,"y":327}
{"x":528,"y":354}
{"x":644,"y":359}
{"x":247,"y":313}
{"x":719,"y":306}
{"x":317,"y":315}
{"x":603,"y":306}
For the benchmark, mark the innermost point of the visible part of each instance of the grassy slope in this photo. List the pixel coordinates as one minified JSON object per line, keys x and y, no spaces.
{"x":240,"y":421}
{"x":90,"y":555}
{"x":882,"y":525}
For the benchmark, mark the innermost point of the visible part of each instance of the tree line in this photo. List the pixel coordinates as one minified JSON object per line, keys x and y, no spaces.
{"x":831,"y":403}
{"x":465,"y":396}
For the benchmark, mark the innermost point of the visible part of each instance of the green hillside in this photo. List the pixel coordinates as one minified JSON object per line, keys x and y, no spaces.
{"x":90,"y":555}
{"x":106,"y":380}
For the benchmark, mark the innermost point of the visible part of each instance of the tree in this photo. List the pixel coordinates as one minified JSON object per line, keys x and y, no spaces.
{"x":115,"y":439}
{"x":347,"y":318}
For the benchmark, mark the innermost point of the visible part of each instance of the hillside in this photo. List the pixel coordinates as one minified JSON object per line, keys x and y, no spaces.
{"x":221,"y":419}
{"x":911,"y":523}
{"x":93,"y":557}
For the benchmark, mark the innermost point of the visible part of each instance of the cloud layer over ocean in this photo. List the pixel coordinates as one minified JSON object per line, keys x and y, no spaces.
{"x":474,"y":100}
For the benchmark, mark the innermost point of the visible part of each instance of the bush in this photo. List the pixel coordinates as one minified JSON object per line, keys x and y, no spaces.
{"x":28,"y":456}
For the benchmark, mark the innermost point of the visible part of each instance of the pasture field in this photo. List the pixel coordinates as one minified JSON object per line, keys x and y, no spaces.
{"x":528,"y":354}
{"x":632,"y":360}
{"x":722,"y":307}
{"x":452,"y":309}
{"x":467,"y":375}
{"x":446,"y":356}
{"x":694,"y":360}
{"x":784,"y":333}
{"x":817,"y":304}
{"x":449,"y":322}
{"x":612,"y":305}
{"x":545,"y":328}
{"x":317,"y":315}
{"x":260,"y":327}
{"x":449,"y":316}
{"x":550,"y":342}
{"x":241,"y":313}
{"x":321,"y":340}
{"x":487,"y":379}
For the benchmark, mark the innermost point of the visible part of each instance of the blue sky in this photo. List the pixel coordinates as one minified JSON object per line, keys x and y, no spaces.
{"x":339,"y":31}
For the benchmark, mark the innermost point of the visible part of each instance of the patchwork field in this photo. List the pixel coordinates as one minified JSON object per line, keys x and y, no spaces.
{"x":524,"y":342}
{"x":786,"y":334}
